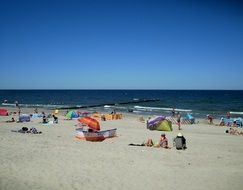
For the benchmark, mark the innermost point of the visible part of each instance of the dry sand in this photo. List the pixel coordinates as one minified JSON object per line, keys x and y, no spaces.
{"x":55,"y":160}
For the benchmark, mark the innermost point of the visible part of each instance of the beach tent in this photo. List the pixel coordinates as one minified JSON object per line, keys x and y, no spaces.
{"x":189,"y":118}
{"x":3,"y":112}
{"x":154,"y":121}
{"x":164,"y":125}
{"x":71,"y":115}
{"x":24,"y":118}
{"x":82,"y":113}
{"x":37,"y":115}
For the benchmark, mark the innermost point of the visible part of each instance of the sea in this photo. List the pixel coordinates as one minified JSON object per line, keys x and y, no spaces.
{"x":199,"y":103}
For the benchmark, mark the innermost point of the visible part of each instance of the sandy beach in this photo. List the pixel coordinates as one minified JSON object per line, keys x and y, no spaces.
{"x":56,"y":160}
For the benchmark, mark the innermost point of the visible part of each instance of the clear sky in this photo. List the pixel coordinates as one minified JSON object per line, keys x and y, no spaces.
{"x":119,"y":44}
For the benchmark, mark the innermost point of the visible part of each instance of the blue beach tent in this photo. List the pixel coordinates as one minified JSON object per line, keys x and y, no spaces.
{"x":24,"y":118}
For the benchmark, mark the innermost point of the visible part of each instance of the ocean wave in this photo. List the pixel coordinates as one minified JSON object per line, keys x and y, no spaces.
{"x":117,"y":107}
{"x":236,"y":112}
{"x":36,"y":105}
{"x":143,"y":108}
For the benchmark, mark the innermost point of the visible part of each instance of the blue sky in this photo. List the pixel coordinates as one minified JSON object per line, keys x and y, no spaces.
{"x":135,"y":44}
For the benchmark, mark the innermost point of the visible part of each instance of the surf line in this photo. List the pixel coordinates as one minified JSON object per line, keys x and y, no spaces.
{"x":112,"y":104}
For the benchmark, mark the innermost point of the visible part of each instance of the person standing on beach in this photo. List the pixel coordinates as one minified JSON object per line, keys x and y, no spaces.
{"x":173,"y":112}
{"x":228,"y":115}
{"x":179,"y":120}
{"x":210,"y":119}
{"x":19,"y":111}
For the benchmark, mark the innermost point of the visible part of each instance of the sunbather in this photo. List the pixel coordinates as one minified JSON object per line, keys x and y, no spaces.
{"x":149,"y":143}
{"x":163,"y":142}
{"x":26,"y":130}
{"x":232,"y":131}
{"x":10,"y":121}
{"x":34,"y":131}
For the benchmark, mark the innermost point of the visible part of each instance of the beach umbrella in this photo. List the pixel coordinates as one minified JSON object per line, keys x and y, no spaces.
{"x":90,"y":122}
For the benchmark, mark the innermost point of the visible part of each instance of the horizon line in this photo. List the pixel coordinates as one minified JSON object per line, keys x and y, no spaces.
{"x":119,"y":89}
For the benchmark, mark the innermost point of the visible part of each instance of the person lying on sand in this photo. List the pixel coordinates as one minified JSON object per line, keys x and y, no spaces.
{"x":26,"y":130}
{"x":232,"y":131}
{"x":10,"y":121}
{"x":163,"y":143}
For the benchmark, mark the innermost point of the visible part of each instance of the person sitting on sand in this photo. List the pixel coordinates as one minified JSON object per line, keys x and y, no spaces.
{"x":221,"y":122}
{"x":234,"y":123}
{"x":44,"y":119}
{"x":179,"y":142}
{"x":163,"y":142}
{"x":149,"y":143}
{"x":55,"y":119}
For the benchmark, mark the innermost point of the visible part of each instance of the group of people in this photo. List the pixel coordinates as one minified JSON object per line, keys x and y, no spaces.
{"x":45,"y":118}
{"x":179,"y":142}
{"x":227,"y":121}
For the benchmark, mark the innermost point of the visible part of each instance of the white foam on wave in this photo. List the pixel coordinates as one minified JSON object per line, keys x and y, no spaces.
{"x":236,"y":112}
{"x":158,"y":108}
{"x":35,"y":105}
{"x":118,"y":107}
{"x":106,"y":106}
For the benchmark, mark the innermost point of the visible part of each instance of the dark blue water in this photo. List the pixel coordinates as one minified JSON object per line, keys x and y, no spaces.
{"x":197,"y":102}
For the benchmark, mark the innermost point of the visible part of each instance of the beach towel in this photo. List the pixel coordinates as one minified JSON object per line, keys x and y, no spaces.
{"x":48,"y":123}
{"x":132,"y":144}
